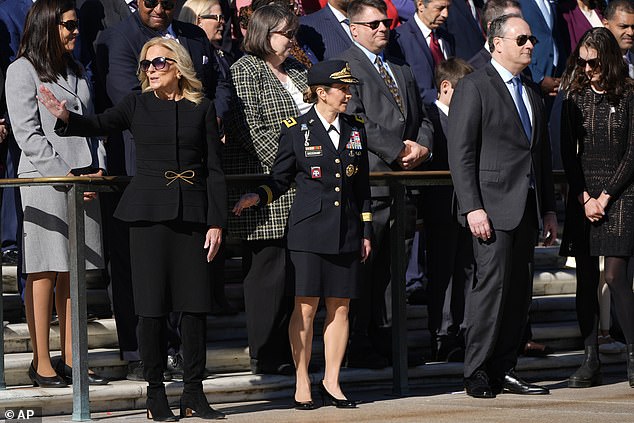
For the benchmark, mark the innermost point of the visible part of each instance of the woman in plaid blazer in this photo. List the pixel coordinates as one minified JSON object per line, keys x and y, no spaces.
{"x":269,"y":86}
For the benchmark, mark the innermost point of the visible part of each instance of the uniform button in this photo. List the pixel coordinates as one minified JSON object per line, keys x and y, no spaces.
{"x":337,"y":189}
{"x":337,"y":175}
{"x":337,"y":161}
{"x":336,"y":203}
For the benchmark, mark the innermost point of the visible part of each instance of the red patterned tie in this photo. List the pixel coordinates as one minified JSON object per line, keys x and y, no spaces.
{"x":436,"y":52}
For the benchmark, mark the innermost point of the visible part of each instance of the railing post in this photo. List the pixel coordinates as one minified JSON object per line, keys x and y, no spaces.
{"x":400,"y":384}
{"x":76,"y":237}
{"x":3,"y":384}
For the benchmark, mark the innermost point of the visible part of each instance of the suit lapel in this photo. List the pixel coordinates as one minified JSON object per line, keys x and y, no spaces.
{"x":334,"y":23}
{"x":68,"y":84}
{"x":505,"y":96}
{"x":535,"y":108}
{"x":402,"y":86}
{"x":417,"y":35}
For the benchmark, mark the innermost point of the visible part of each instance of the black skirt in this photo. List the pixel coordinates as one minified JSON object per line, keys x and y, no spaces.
{"x":169,"y":268}
{"x":326,"y":275}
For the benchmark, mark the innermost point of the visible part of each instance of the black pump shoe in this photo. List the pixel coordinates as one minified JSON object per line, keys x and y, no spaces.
{"x":66,"y":372}
{"x":327,"y":398}
{"x":307,"y":405}
{"x":194,"y":404}
{"x":45,"y":381}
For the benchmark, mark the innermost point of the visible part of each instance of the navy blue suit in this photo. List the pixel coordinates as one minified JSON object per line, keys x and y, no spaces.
{"x":408,"y":44}
{"x":463,"y":26}
{"x":542,"y":64}
{"x":322,"y":33}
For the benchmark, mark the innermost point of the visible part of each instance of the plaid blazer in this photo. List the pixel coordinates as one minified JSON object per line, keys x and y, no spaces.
{"x":253,"y":131}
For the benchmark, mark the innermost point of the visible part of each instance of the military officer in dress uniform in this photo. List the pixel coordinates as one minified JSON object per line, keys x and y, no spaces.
{"x":330,"y":224}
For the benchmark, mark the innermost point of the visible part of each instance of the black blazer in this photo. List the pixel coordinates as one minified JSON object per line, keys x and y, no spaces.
{"x":125,"y":41}
{"x":331,"y":211}
{"x":171,"y":137}
{"x":490,"y":156}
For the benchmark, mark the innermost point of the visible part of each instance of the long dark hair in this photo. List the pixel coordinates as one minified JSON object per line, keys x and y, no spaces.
{"x":614,"y":73}
{"x":41,"y":44}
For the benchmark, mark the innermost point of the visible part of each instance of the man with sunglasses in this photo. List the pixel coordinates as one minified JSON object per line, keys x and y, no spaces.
{"x":399,"y":138}
{"x":500,"y":162}
{"x":121,"y":45}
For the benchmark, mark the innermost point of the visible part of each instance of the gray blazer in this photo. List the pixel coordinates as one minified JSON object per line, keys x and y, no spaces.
{"x":44,"y":151}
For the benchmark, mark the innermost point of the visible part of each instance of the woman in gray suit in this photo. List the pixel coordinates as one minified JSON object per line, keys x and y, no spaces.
{"x":269,"y":86}
{"x":44,"y":58}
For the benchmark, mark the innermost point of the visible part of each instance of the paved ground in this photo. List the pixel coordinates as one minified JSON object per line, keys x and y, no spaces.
{"x":612,"y":402}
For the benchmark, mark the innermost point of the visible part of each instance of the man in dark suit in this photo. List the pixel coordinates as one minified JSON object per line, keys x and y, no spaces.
{"x":123,"y":43}
{"x":619,"y":19}
{"x":399,"y":138}
{"x":463,"y":23}
{"x":423,"y":43}
{"x":499,"y":156}
{"x":326,"y":32}
{"x":549,"y":58}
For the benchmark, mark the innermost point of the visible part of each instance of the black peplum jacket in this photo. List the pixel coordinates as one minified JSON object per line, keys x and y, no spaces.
{"x":179,"y":175}
{"x":331,"y":212}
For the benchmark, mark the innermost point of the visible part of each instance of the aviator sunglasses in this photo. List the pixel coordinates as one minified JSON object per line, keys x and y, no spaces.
{"x":593,"y":63}
{"x":373,"y":25}
{"x":522,"y":39}
{"x":70,"y":25}
{"x":159,"y":63}
{"x":165,"y":4}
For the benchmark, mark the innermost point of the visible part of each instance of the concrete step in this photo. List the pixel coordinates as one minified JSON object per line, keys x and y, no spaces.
{"x":243,"y":386}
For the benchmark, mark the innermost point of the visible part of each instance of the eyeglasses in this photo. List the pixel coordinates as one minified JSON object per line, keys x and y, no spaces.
{"x":70,"y":25}
{"x":213,"y":17}
{"x":522,"y":39}
{"x":159,"y":63}
{"x":593,"y":63}
{"x":290,"y":34}
{"x":165,"y":4}
{"x":375,"y":24}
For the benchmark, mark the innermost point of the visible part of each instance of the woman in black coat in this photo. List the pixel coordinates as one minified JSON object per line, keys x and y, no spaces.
{"x":330,"y":224}
{"x":176,"y":206}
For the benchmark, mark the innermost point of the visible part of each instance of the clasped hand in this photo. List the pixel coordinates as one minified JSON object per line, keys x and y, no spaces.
{"x":246,"y":201}
{"x":412,"y":155}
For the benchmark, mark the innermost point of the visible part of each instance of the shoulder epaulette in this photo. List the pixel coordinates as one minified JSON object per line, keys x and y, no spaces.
{"x":359,"y":119}
{"x":290,"y":122}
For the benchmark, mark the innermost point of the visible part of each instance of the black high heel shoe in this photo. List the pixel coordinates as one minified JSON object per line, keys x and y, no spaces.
{"x":66,"y":372}
{"x":45,"y":381}
{"x":308,"y":405}
{"x":157,"y":407}
{"x":328,"y":399}
{"x":194,"y":404}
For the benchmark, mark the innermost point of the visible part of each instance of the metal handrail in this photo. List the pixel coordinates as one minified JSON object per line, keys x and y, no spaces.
{"x":396,"y":181}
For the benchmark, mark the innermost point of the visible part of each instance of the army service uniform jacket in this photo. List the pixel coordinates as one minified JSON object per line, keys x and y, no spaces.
{"x":331,"y":212}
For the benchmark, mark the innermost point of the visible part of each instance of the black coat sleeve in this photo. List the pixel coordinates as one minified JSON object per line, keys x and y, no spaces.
{"x":216,"y":185}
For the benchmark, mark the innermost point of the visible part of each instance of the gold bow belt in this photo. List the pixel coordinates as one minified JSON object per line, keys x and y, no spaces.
{"x":185,"y":175}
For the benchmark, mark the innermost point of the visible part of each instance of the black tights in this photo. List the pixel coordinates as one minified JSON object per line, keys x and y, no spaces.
{"x":587,"y":296}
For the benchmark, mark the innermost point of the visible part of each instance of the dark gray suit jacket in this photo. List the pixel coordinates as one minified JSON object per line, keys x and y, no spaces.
{"x":490,"y":156}
{"x":385,"y":125}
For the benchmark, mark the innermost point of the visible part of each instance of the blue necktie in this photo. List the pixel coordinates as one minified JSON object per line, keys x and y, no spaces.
{"x":521,"y":107}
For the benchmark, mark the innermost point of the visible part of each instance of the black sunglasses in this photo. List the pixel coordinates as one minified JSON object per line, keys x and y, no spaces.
{"x":375,"y":24}
{"x":593,"y":63}
{"x":290,"y":34}
{"x":70,"y":25}
{"x":159,"y":63}
{"x":213,"y":17}
{"x":165,"y":4}
{"x":522,"y":39}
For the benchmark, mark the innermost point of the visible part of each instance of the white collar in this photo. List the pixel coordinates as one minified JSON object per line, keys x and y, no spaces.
{"x":506,"y":75}
{"x":340,"y":16}
{"x":424,"y":28}
{"x":442,"y":107}
{"x":327,"y":125}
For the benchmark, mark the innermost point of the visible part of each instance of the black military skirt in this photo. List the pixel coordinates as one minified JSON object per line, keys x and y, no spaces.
{"x":326,"y":275}
{"x":169,"y":268}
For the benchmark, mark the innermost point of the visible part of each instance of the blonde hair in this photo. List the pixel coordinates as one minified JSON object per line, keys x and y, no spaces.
{"x":189,"y":84}
{"x":192,"y":9}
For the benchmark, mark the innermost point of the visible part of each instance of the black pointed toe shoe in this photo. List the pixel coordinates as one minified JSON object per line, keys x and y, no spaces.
{"x":328,"y":399}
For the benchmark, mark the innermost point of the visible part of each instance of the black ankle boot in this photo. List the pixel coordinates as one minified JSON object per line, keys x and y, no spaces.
{"x":158,"y":408}
{"x":589,"y":374}
{"x":195,"y":404}
{"x":630,"y":364}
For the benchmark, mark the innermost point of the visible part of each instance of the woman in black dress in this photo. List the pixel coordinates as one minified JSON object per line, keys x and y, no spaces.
{"x":176,"y":206}
{"x":597,"y":147}
{"x":330,"y":224}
